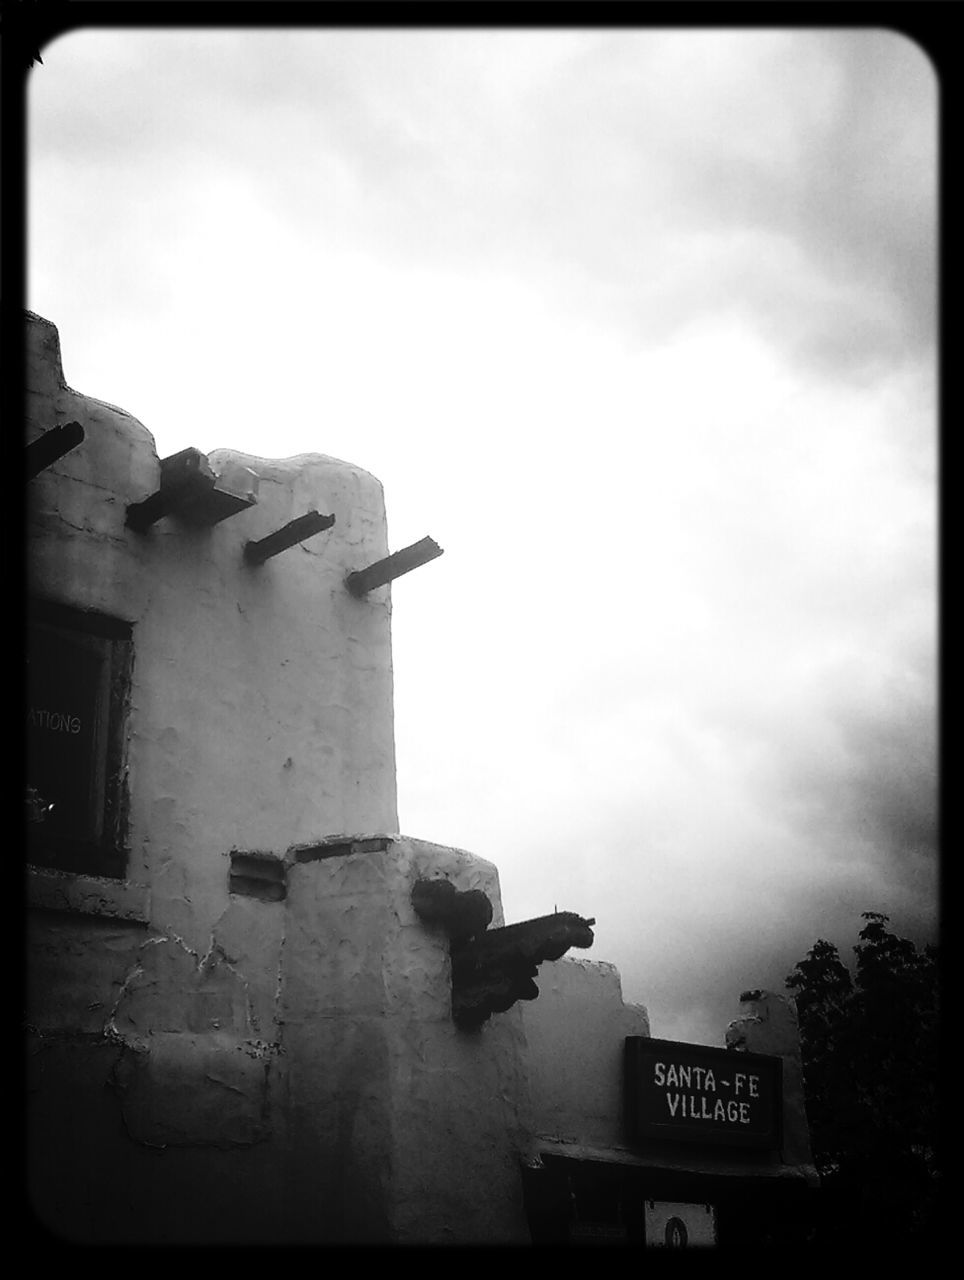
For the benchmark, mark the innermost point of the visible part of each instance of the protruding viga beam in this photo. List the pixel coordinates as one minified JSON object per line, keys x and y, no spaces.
{"x":382,"y":571}
{"x":53,"y":444}
{"x":288,"y":535}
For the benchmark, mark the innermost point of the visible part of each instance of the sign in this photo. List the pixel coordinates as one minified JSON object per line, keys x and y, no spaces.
{"x":671,"y":1225}
{"x":691,"y":1093}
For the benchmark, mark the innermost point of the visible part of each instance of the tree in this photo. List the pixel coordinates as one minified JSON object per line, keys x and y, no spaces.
{"x":869,"y":1041}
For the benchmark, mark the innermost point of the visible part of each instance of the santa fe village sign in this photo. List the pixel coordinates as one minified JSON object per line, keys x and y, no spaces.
{"x":691,"y":1093}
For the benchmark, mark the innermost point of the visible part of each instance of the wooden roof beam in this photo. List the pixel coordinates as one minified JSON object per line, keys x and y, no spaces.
{"x":53,"y":444}
{"x":289,"y":535}
{"x":382,"y":571}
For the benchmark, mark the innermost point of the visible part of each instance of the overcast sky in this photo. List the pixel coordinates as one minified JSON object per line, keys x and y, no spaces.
{"x":640,"y":327}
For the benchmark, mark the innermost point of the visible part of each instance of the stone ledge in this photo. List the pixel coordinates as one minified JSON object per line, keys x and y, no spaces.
{"x":49,"y":890}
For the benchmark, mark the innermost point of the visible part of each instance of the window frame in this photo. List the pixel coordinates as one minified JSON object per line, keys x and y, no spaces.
{"x":106,"y":852}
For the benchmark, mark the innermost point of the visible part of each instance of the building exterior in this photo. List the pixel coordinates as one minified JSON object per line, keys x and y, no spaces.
{"x":256,"y":1012}
{"x":643,"y":1141}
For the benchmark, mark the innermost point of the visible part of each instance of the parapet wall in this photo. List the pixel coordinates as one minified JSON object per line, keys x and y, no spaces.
{"x":575,"y":1032}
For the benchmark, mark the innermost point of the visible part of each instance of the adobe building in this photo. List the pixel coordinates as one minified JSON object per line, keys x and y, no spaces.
{"x":256,"y":1012}
{"x":644,"y":1141}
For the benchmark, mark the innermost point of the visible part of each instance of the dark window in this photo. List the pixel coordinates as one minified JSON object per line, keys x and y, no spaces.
{"x":78,"y":682}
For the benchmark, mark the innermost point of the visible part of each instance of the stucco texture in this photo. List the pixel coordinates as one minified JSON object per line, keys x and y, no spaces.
{"x":429,"y":1123}
{"x":208,"y":1066}
{"x":575,"y":1032}
{"x":261,"y":698}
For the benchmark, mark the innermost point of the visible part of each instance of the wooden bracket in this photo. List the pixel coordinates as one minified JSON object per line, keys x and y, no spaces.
{"x":493,"y":970}
{"x":462,"y":913}
{"x":190,"y":490}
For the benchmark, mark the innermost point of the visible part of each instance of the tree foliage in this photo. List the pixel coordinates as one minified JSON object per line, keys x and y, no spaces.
{"x":869,"y":1039}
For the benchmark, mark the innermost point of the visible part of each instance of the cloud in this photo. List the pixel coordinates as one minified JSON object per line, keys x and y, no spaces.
{"x":655,"y":176}
{"x":789,"y":176}
{"x":872,"y":781}
{"x":638,"y":325}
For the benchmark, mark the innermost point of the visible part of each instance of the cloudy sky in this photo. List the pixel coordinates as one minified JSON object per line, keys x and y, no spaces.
{"x":640,"y":326}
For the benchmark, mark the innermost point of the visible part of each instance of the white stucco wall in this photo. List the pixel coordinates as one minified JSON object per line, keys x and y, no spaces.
{"x":575,"y":1032}
{"x":233,"y":1068}
{"x":409,"y":1121}
{"x":261,"y":702}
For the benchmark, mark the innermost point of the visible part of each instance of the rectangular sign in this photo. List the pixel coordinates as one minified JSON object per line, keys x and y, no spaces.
{"x":670,"y":1224}
{"x":693,"y":1093}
